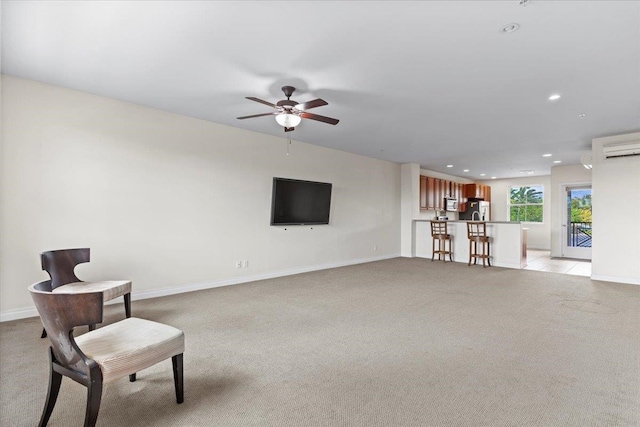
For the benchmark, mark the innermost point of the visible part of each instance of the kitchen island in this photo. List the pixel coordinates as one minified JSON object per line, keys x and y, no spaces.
{"x":508,"y":242}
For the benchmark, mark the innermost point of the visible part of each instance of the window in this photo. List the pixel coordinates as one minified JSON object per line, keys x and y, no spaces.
{"x":525,"y":203}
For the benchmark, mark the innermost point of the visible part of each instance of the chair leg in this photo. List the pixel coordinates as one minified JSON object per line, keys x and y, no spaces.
{"x":132,"y":378}
{"x":470,"y":252}
{"x":433,"y":248}
{"x":177,"y":377}
{"x":55,"y":379}
{"x":94,"y":396}
{"x":44,"y":333}
{"x":127,"y":304}
{"x":450,"y":251}
{"x":484,"y":265}
{"x":489,"y":253}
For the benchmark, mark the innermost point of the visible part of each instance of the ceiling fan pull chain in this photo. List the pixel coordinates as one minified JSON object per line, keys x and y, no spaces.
{"x":288,"y":145}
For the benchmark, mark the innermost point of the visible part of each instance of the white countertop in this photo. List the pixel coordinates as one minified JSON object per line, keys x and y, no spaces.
{"x":464,"y":220}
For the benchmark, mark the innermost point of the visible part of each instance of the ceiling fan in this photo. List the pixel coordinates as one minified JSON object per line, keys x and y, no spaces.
{"x":289,"y":113}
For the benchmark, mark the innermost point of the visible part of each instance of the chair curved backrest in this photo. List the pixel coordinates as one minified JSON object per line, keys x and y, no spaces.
{"x":60,"y":313}
{"x":61,"y":263}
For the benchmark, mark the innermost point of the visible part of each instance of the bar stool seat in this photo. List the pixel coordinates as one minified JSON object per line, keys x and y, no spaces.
{"x":440,"y":234}
{"x":477,"y":234}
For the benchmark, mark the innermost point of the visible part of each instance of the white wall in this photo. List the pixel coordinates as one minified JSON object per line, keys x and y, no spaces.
{"x":538,"y":234}
{"x":410,"y":206}
{"x":169,"y":201}
{"x":616,"y":207}
{"x":560,"y":176}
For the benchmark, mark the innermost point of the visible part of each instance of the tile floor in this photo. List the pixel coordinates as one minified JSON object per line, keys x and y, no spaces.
{"x":542,"y":261}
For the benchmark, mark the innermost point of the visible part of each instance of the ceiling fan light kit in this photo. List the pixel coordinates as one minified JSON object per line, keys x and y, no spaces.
{"x":288,"y":120}
{"x":290,"y":113}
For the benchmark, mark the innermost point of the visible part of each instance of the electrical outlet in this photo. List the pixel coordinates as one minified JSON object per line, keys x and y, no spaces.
{"x":245,"y":263}
{"x":238,"y":264}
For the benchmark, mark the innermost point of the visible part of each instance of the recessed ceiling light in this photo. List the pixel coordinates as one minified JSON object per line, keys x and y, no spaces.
{"x":482,"y":174}
{"x":466,"y":170}
{"x":509,"y":28}
{"x":554,"y":97}
{"x":493,"y":177}
{"x":557,"y":161}
{"x":547,"y":155}
{"x":582,"y":115}
{"x":449,"y":166}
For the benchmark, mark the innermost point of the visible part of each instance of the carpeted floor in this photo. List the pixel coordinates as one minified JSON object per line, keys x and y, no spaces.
{"x":402,"y":342}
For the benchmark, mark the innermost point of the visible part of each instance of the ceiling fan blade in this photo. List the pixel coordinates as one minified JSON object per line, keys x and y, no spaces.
{"x":312,"y":104}
{"x":319,"y":118}
{"x":255,"y":115}
{"x":261,"y":101}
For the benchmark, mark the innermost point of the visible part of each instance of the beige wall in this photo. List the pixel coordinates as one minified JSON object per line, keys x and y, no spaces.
{"x":561,"y":176}
{"x":538,"y":234}
{"x":169,"y":201}
{"x":616,"y":211}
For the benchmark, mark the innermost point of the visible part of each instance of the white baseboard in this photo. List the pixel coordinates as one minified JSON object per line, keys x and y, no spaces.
{"x":23,"y":313}
{"x":617,"y":279}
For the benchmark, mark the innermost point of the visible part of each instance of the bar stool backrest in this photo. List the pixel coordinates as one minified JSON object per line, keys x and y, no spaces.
{"x":476,"y":229}
{"x":438,"y":228}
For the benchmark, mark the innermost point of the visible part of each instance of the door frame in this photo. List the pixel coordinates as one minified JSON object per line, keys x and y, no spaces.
{"x":568,"y":251}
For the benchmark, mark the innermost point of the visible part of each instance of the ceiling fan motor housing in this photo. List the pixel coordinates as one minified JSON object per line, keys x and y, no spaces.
{"x":286,"y":103}
{"x":288,"y":91}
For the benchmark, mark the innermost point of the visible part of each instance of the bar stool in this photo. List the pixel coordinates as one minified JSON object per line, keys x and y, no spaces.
{"x":439,"y":232}
{"x":477,"y":233}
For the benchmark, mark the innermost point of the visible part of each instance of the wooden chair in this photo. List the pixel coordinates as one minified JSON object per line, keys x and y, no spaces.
{"x":477,"y":234}
{"x":100,"y":356}
{"x":440,"y":234}
{"x":61,"y":264}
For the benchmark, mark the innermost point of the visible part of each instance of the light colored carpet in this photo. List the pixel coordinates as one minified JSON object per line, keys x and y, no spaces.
{"x":402,"y":342}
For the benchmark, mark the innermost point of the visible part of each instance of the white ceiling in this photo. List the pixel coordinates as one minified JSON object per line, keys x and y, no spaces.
{"x":431,"y":82}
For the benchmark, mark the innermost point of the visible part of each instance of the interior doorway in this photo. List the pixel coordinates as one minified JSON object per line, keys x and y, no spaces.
{"x":577,"y":224}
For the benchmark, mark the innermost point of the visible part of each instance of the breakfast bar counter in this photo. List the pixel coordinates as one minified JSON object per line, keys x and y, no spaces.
{"x":508,"y":238}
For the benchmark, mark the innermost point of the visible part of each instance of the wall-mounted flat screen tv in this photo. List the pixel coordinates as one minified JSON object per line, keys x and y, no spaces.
{"x":296,"y":202}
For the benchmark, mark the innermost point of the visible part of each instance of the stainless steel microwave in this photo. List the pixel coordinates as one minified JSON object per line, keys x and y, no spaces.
{"x":452,"y":205}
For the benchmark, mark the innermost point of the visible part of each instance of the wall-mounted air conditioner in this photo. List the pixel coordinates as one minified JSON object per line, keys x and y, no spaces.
{"x":621,"y":149}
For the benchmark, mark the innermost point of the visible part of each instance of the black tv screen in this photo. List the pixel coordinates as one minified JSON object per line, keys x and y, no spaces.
{"x":296,"y":202}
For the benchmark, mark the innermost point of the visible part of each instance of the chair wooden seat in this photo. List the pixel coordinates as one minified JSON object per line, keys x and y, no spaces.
{"x":477,"y":235}
{"x":440,"y":234}
{"x":100,"y":356}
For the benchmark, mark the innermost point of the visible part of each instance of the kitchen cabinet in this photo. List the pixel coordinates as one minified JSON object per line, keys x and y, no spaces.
{"x":477,"y":191}
{"x":487,"y":193}
{"x":427,"y":193}
{"x":434,"y":191}
{"x":423,"y":192}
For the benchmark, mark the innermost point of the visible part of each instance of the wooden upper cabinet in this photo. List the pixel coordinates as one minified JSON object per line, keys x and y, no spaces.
{"x":423,"y":192}
{"x":431,"y":188}
{"x":477,"y":191}
{"x":434,"y":191}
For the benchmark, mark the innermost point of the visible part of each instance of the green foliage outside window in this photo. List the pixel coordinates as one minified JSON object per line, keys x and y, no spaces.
{"x":581,"y":209}
{"x":525,"y":203}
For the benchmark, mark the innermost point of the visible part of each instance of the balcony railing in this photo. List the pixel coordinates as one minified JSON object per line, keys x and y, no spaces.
{"x":580,"y":235}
